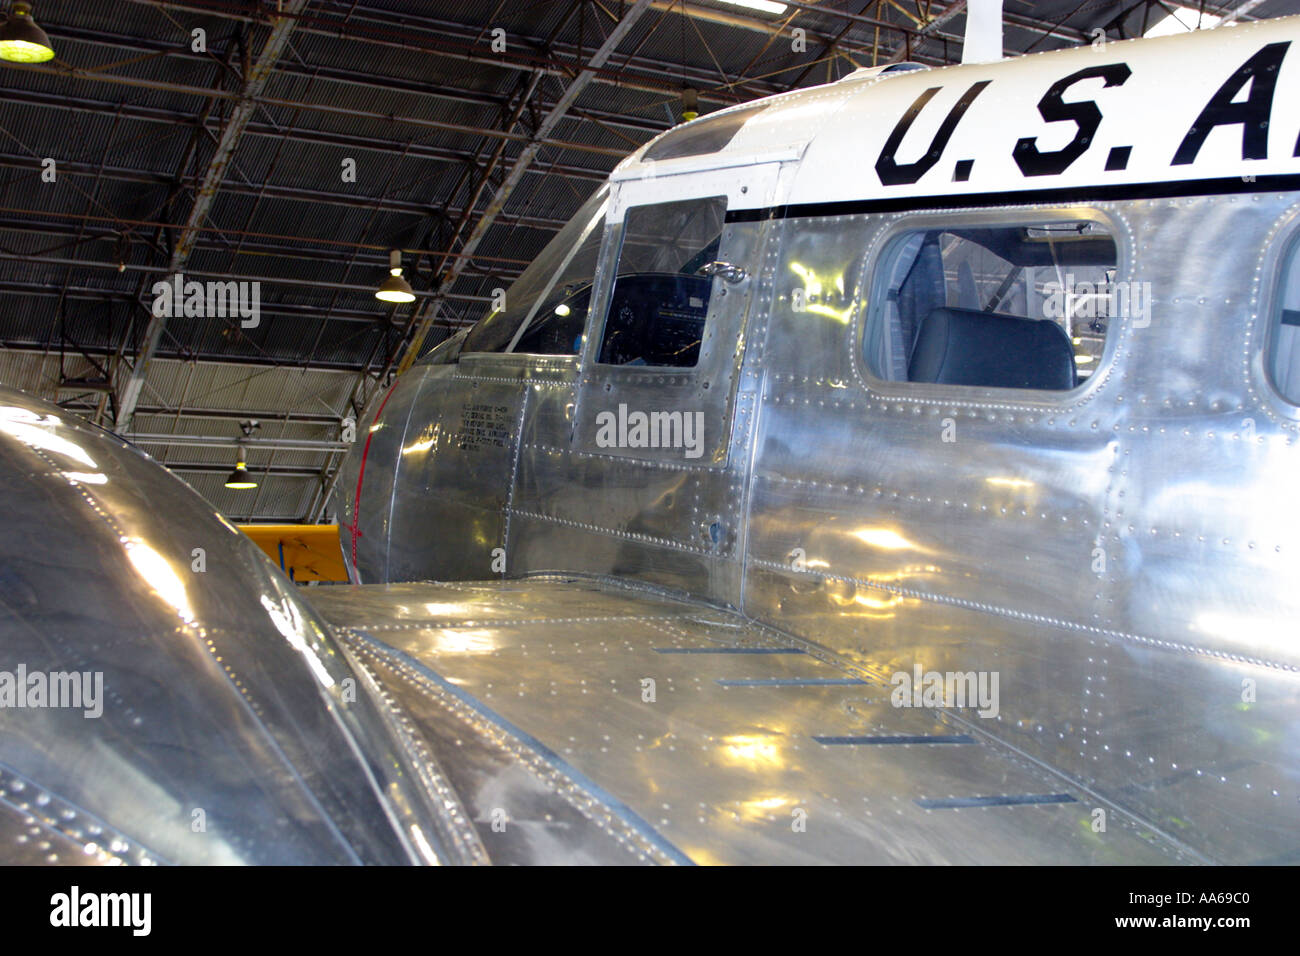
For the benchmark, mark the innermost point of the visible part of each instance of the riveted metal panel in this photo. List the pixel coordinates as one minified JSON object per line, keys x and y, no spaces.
{"x":1118,"y":554}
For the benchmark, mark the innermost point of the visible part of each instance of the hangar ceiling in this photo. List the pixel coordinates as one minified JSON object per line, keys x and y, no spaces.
{"x":293,"y":143}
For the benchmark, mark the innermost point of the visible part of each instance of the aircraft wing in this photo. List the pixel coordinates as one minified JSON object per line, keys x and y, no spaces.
{"x":582,"y":720}
{"x":305,"y":552}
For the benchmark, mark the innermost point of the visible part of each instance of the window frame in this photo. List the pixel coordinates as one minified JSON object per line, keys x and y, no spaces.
{"x":600,"y":221}
{"x":872,"y":276}
{"x":712,"y":384}
{"x":1282,"y":250}
{"x":616,"y":235}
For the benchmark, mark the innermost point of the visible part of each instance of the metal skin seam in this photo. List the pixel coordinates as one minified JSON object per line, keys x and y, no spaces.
{"x":487,"y":622}
{"x":690,"y":606}
{"x":458,"y":832}
{"x":873,"y":678}
{"x":514,"y":474}
{"x":614,"y":459}
{"x":616,"y":533}
{"x":617,"y":819}
{"x":1026,"y":616}
{"x":511,"y":381}
{"x":392,"y":492}
{"x":42,"y":807}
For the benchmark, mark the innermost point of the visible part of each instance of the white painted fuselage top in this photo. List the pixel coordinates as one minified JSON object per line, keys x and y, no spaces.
{"x":1209,"y":111}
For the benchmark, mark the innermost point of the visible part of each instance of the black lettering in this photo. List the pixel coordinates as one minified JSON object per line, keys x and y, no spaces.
{"x":892,"y":173}
{"x":1085,"y":116}
{"x":1260,"y":71}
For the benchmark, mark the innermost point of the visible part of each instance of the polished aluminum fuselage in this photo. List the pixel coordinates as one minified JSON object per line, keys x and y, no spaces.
{"x":1123,"y":555}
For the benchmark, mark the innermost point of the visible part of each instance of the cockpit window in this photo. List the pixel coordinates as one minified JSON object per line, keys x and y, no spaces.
{"x":997,"y":306}
{"x":660,"y":300}
{"x":544,"y":309}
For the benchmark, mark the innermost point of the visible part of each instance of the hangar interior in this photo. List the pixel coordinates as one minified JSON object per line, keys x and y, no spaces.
{"x":295,"y":144}
{"x":856,"y":446}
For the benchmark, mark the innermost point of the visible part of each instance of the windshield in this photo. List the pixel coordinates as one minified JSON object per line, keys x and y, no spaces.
{"x":564,"y":267}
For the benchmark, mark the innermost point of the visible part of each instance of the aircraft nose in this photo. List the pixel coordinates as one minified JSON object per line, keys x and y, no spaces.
{"x":165,"y":696}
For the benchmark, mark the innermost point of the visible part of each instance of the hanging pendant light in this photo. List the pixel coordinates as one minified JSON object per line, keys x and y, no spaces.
{"x":690,"y":103}
{"x":21,"y":40}
{"x":395,"y":288}
{"x":240,"y":479}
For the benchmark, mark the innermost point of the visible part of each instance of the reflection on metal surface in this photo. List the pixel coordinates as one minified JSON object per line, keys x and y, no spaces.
{"x":290,"y":624}
{"x":886,"y":539}
{"x":720,"y":772}
{"x":1000,"y":481}
{"x":867,"y":601}
{"x":466,"y":642}
{"x":158,"y":574}
{"x":226,"y":734}
{"x":815,"y":288}
{"x":39,"y":431}
{"x":428,"y":439}
{"x":752,"y":751}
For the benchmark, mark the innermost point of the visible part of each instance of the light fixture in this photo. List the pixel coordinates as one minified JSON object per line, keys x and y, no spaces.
{"x":763,"y":6}
{"x":240,"y":479}
{"x":21,"y":40}
{"x":395,"y":288}
{"x":690,"y":103}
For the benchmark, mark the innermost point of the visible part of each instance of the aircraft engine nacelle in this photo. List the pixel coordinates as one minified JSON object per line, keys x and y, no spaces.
{"x":165,"y":694}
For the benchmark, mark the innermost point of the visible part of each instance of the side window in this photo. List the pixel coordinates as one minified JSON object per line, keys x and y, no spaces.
{"x":545,"y":308}
{"x":662,"y":286}
{"x":1283,"y":356}
{"x":994,"y":306}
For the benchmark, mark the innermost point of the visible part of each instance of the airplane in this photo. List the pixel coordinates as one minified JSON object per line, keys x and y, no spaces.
{"x":895,"y":471}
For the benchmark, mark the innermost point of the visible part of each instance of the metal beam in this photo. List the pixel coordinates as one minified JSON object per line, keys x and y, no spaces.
{"x":286,"y":193}
{"x":516,"y":174}
{"x":277,"y":243}
{"x":254,"y":84}
{"x":328,"y":109}
{"x":234,"y":441}
{"x":350,"y":77}
{"x":223,"y":414}
{"x":216,"y":468}
{"x":308,"y":135}
{"x":412,"y":33}
{"x":367,"y":290}
{"x":948,"y":12}
{"x":293,"y":310}
{"x":205,"y":358}
{"x":1240,"y":10}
